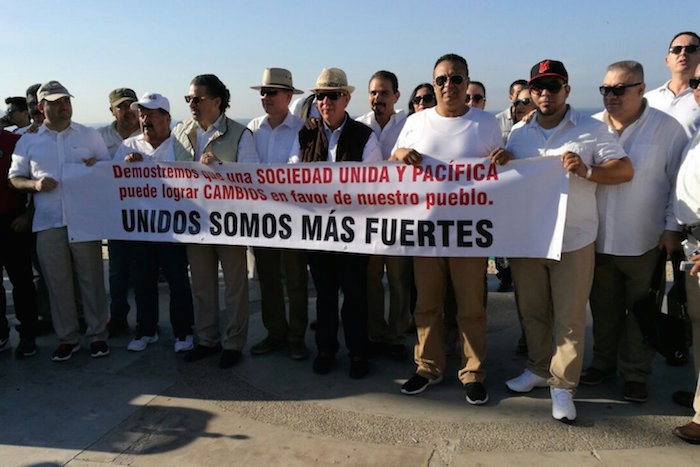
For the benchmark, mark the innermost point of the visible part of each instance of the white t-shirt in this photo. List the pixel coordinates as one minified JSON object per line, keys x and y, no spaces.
{"x":164,"y":151}
{"x":273,"y":145}
{"x":681,"y":107}
{"x":387,"y":136}
{"x":592,"y":141}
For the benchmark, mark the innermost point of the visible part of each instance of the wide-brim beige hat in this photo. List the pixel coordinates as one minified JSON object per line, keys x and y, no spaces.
{"x":278,"y":78}
{"x":332,"y":79}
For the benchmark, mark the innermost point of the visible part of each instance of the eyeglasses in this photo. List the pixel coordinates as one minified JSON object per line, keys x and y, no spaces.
{"x":334,"y":96}
{"x":268,"y":92}
{"x":553,"y":87}
{"x":476,"y":98}
{"x":616,"y":90}
{"x":689,"y":49}
{"x":525,"y":101}
{"x":195,"y":99}
{"x":427,"y":99}
{"x":454,"y":79}
{"x":694,"y":82}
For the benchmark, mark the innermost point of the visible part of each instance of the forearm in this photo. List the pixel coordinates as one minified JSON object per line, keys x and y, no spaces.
{"x":23,"y":184}
{"x":613,"y":172}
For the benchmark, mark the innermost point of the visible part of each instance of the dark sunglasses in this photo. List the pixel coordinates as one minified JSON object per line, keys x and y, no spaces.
{"x":427,"y":99}
{"x":525,"y":101}
{"x":454,"y":79}
{"x":476,"y":98}
{"x":334,"y":96}
{"x":616,"y":90}
{"x":268,"y":92}
{"x":553,"y":87}
{"x":689,"y":49}
{"x":195,"y":99}
{"x":694,"y":82}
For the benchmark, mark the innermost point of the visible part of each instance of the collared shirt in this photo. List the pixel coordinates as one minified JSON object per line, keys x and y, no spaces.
{"x":387,"y":136}
{"x":246,"y":144}
{"x":687,"y":199}
{"x":111,"y":136}
{"x":371,"y":152}
{"x":505,"y":121}
{"x":592,"y":141}
{"x":682,"y":107}
{"x":633,"y":215}
{"x":273,"y":144}
{"x":204,"y":135}
{"x":138,"y":143}
{"x":44,"y":154}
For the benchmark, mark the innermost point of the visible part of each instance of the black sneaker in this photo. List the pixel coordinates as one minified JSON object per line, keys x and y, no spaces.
{"x":267,"y":345}
{"x":99,"y":349}
{"x":417,"y":384}
{"x":201,"y":351}
{"x":26,"y":348}
{"x":323,"y":363}
{"x":64,"y":352}
{"x":229,"y":357}
{"x":359,"y":367}
{"x":476,"y":393}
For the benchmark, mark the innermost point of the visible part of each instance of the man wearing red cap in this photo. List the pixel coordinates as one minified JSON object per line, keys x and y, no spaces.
{"x":553,"y":294}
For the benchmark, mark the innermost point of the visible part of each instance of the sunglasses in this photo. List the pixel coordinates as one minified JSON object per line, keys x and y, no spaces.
{"x":195,"y":99}
{"x":553,"y":87}
{"x":454,"y":79}
{"x":525,"y":101}
{"x":427,"y":99}
{"x":334,"y":96}
{"x":689,"y":49}
{"x":616,"y":90}
{"x":694,"y":82}
{"x":476,"y":98}
{"x":268,"y":92}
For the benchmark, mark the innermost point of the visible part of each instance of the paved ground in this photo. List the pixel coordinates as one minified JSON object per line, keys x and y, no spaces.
{"x":153,"y":409}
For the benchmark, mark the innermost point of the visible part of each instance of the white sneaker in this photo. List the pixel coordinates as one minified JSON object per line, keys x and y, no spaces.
{"x":563,"y":407}
{"x":140,"y":344}
{"x":184,"y":344}
{"x":526,"y":382}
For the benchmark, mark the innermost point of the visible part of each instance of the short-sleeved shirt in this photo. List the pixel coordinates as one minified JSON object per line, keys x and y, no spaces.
{"x":682,"y":107}
{"x":138,"y":143}
{"x":387,"y":136}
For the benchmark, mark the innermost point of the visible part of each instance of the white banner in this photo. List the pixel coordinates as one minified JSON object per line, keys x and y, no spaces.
{"x":465,"y":208}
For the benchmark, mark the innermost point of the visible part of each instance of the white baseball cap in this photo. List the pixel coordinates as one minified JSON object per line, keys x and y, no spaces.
{"x":152,"y":100}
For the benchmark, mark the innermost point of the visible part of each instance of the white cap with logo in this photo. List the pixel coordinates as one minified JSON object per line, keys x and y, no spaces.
{"x":152,"y":100}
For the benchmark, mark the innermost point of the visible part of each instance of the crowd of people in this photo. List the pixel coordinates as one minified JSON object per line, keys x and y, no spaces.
{"x":634,"y":194}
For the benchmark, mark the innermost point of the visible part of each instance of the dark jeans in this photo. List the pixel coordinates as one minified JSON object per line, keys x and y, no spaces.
{"x":119,"y":273}
{"x":331,"y":273}
{"x":172,"y":258}
{"x":16,"y":259}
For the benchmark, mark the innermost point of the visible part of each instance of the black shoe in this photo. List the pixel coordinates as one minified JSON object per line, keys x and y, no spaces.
{"x":64,"y":352}
{"x":476,"y":393}
{"x":679,"y":358}
{"x":636,"y":391}
{"x":201,"y":351}
{"x":229,"y":357}
{"x":398,"y":352}
{"x":593,"y":376}
{"x":323,"y":363}
{"x":359,"y":367}
{"x":684,"y":398}
{"x":267,"y":345}
{"x":26,"y":348}
{"x":99,"y":349}
{"x":417,"y":384}
{"x":117,"y":327}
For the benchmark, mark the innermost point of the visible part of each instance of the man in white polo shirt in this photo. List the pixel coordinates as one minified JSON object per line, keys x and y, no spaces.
{"x":552,"y":295}
{"x":386,"y":123}
{"x":629,"y":244}
{"x":274,"y":134}
{"x":37,"y":167}
{"x":675,"y":97}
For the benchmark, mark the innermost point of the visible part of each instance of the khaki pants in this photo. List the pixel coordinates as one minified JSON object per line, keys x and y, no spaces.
{"x":398,"y":271}
{"x":618,"y":282}
{"x":57,"y":258}
{"x":467,"y":274}
{"x":692,"y":285}
{"x":204,"y":267}
{"x":552,"y":297}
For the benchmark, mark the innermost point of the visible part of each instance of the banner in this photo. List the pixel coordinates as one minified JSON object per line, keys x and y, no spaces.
{"x":464,"y":208}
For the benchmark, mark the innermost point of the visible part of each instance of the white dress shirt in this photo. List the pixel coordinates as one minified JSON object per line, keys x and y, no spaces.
{"x":371,"y":152}
{"x":138,"y":143}
{"x":44,"y":154}
{"x":592,"y":141}
{"x":274,"y":144}
{"x":633,"y":215}
{"x":681,"y":107}
{"x":387,"y":136}
{"x":687,"y":206}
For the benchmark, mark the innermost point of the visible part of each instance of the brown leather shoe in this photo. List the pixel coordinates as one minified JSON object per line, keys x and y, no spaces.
{"x":636,"y":391}
{"x":689,"y":433}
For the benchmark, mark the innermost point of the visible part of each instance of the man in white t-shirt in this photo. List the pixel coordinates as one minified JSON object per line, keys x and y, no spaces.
{"x":675,"y":97}
{"x":450,"y":131}
{"x":552,"y":295}
{"x":386,"y":123}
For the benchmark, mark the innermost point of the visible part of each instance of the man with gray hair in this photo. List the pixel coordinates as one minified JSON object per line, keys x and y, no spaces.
{"x":629,"y":245}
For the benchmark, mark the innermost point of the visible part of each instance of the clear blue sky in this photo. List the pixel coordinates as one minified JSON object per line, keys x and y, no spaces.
{"x":93,"y":46}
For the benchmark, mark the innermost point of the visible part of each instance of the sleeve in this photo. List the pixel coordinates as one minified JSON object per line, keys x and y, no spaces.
{"x":20,"y":167}
{"x":673,"y":161}
{"x":294,"y":157}
{"x":607,"y":146}
{"x":372,"y":151}
{"x":246,"y":148}
{"x":99,"y":146}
